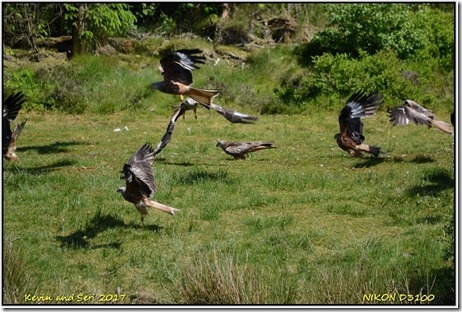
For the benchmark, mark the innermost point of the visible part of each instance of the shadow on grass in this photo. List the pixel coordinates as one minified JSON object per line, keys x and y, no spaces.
{"x":198,"y":176}
{"x":369,"y":162}
{"x":35,"y":171}
{"x":439,"y":282}
{"x":98,"y":224}
{"x":438,"y":180}
{"x":166,"y":162}
{"x":57,"y":147}
{"x":419,"y":159}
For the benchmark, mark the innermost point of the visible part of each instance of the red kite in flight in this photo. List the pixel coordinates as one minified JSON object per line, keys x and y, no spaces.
{"x":239,"y":149}
{"x":232,"y":115}
{"x":351,"y":137}
{"x":411,"y":111}
{"x":171,"y":126}
{"x":176,"y":67}
{"x":140,"y":185}
{"x":11,"y":107}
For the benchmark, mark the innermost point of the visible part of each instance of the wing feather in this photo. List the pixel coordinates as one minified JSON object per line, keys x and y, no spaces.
{"x":138,"y":171}
{"x":177,"y":65}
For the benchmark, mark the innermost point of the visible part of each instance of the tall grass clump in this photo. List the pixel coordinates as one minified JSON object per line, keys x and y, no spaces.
{"x":218,"y":278}
{"x":17,"y":276}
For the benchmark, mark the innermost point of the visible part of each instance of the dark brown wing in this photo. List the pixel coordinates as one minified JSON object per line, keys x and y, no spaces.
{"x":11,"y":107}
{"x":171,"y":126}
{"x":359,"y":105}
{"x":138,"y":172}
{"x":178,"y":65}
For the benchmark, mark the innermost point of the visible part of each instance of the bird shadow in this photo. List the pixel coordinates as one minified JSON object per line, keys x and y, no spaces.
{"x":35,"y":171}
{"x":198,"y":176}
{"x":98,"y":224}
{"x":418,"y":159}
{"x":166,"y":162}
{"x":54,"y":148}
{"x":438,"y":180}
{"x":369,"y":162}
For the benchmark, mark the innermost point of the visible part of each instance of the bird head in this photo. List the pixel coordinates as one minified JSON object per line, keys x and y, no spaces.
{"x":337,"y":136}
{"x":220,"y":143}
{"x":121,"y":190}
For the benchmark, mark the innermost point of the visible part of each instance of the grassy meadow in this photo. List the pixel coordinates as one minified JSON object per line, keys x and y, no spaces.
{"x":300,"y":224}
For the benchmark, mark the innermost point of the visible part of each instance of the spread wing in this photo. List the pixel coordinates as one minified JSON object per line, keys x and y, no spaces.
{"x":171,"y":126}
{"x":359,"y":105}
{"x":11,"y":107}
{"x":178,"y":65}
{"x":232,"y":115}
{"x":138,"y":172}
{"x":410,"y":112}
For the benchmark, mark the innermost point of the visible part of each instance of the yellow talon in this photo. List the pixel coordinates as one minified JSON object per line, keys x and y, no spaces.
{"x":181,"y":97}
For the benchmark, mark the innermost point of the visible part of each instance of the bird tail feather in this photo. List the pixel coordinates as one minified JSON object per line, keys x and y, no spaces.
{"x":17,"y":130}
{"x":203,"y":96}
{"x":443,"y":126}
{"x":374,"y":150}
{"x":162,"y":207}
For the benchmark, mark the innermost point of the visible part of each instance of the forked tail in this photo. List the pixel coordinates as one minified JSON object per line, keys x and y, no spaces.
{"x":374,"y":150}
{"x":203,"y":96}
{"x":162,"y":207}
{"x":443,"y":126}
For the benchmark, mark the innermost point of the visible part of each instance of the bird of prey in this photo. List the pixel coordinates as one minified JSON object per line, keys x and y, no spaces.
{"x":232,"y":115}
{"x":351,"y":137}
{"x":140,"y":185}
{"x":411,"y":111}
{"x":182,"y":108}
{"x":239,"y":149}
{"x":11,"y":107}
{"x":176,"y":67}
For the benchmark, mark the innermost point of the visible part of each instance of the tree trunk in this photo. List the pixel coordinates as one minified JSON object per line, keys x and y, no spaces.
{"x":78,"y":29}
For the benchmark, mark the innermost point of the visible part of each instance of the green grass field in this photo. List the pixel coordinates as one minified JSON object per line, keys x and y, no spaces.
{"x":300,"y":224}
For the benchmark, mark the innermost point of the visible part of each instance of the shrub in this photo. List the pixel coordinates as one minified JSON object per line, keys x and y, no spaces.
{"x":402,"y":28}
{"x":340,"y":75}
{"x":37,"y":91}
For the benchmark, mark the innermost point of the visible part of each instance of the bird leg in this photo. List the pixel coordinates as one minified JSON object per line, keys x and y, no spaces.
{"x":181,"y":97}
{"x":195,"y":111}
{"x":142,"y":219}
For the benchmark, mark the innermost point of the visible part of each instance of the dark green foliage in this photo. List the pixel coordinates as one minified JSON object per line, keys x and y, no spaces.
{"x":399,"y":50}
{"x":92,"y":24}
{"x":373,"y":27}
{"x":24,"y":23}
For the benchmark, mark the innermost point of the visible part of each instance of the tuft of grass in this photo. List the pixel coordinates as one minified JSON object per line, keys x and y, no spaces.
{"x":17,"y":278}
{"x":213,"y":278}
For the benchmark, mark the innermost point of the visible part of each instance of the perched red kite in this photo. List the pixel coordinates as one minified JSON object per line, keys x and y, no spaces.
{"x":239,"y":149}
{"x":11,"y":107}
{"x":416,"y":113}
{"x":176,"y":67}
{"x":140,"y":185}
{"x":351,"y":137}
